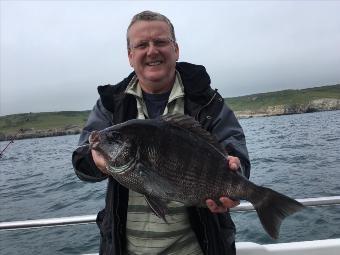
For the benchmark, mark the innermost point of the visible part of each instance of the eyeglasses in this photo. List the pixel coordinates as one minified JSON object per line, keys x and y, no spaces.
{"x":157,"y":43}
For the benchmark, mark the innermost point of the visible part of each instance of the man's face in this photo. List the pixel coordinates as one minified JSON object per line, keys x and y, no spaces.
{"x":153,"y":55}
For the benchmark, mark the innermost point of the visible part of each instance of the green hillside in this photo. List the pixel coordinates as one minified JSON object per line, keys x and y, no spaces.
{"x":25,"y":122}
{"x":285,"y":97}
{"x":28,"y":125}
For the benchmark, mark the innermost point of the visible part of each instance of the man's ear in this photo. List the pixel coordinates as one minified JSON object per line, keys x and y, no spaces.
{"x":130,"y":57}
{"x":177,"y":51}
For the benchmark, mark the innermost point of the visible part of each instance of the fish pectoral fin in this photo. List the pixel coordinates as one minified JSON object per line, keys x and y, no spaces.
{"x":158,"y":206}
{"x":155,"y":183}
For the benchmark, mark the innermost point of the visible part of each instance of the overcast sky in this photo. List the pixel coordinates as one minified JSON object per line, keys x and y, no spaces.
{"x":54,"y":54}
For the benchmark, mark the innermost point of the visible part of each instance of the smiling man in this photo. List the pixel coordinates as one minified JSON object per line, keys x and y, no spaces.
{"x":160,"y":85}
{"x":153,"y":53}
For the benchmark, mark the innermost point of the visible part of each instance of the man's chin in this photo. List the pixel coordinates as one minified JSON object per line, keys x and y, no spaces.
{"x":155,"y":76}
{"x":154,"y":69}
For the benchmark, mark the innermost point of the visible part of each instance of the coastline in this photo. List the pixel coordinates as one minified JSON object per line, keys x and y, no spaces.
{"x":286,"y":102}
{"x":38,"y":134}
{"x":74,"y":130}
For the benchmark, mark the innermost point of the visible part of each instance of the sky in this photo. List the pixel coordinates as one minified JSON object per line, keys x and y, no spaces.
{"x":54,"y":54}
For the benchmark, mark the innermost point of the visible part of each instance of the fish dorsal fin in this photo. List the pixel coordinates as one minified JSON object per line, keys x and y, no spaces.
{"x":192,"y":125}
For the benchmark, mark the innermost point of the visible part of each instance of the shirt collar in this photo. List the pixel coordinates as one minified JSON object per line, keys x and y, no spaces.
{"x":177,"y":90}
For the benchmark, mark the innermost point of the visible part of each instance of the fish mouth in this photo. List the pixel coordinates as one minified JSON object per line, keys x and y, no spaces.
{"x":94,"y":141}
{"x":94,"y":144}
{"x":94,"y":137}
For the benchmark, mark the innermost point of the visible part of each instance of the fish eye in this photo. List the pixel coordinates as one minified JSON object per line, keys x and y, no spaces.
{"x":114,"y":137}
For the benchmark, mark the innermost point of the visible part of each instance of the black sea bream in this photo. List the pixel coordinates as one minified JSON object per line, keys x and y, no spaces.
{"x":174,"y":158}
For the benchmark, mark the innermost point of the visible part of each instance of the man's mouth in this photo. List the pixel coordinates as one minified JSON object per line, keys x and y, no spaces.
{"x":154,"y":63}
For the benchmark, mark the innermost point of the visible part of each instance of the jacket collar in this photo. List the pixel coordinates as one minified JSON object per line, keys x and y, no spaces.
{"x":195,"y":79}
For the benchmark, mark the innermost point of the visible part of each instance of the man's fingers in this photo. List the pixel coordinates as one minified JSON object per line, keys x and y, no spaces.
{"x":233,"y":166}
{"x":213,"y":207}
{"x":234,"y":163}
{"x":99,"y":161}
{"x":211,"y":204}
{"x":228,"y":203}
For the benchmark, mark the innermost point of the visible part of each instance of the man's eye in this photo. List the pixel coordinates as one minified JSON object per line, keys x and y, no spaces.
{"x":141,"y":45}
{"x":161,"y":43}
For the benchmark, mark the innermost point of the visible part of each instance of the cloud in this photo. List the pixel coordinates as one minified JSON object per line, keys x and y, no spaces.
{"x":54,"y":54}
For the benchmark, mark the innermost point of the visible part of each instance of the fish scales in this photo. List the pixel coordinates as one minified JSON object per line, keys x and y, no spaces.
{"x":185,"y":168}
{"x":174,"y":158}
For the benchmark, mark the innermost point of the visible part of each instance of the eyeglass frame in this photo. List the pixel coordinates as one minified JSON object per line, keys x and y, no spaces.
{"x":157,"y":43}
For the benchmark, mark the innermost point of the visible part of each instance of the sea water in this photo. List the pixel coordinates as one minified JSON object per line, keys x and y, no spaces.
{"x":297,"y":155}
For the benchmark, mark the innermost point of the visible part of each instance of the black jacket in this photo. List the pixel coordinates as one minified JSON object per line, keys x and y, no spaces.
{"x":215,"y":232}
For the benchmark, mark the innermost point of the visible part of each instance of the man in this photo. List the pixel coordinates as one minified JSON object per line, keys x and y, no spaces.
{"x":159,"y":85}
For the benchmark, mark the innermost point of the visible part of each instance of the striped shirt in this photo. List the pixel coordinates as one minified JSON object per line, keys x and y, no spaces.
{"x":147,"y":233}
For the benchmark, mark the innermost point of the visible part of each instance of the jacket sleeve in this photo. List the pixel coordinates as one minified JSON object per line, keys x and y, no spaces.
{"x":230,"y":134}
{"x":82,"y":160}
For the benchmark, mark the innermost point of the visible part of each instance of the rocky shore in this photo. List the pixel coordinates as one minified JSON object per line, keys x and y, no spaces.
{"x":33,"y":133}
{"x":318,"y":105}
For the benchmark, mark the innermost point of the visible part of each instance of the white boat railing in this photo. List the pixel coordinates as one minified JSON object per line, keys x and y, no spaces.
{"x":88,"y":219}
{"x":317,"y":201}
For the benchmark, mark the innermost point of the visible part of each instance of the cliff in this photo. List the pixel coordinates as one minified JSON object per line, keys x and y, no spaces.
{"x":290,"y":101}
{"x":317,"y":105}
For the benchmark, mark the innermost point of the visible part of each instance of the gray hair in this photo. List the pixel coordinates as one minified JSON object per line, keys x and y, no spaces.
{"x":150,"y":16}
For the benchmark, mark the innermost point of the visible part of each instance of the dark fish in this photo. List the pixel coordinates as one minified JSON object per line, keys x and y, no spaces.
{"x":174,"y":158}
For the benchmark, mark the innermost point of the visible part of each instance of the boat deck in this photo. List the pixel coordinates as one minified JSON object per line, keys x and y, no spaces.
{"x":316,"y":247}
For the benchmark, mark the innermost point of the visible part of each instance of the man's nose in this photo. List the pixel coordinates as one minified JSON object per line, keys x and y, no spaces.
{"x":152,"y":49}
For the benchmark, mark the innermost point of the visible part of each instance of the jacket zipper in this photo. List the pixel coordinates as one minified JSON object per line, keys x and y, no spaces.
{"x":206,"y":105}
{"x":118,"y":227}
{"x":205,"y":241}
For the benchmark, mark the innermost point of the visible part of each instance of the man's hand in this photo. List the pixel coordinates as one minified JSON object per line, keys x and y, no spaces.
{"x":234,"y":164}
{"x":98,"y":158}
{"x":99,"y":161}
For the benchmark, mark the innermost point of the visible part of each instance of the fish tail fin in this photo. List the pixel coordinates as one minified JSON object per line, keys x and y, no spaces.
{"x":272,"y":207}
